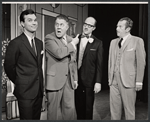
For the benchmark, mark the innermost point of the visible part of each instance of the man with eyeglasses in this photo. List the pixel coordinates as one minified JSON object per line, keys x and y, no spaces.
{"x":89,"y":59}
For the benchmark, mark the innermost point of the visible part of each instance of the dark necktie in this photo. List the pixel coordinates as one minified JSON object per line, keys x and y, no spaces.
{"x":33,"y":46}
{"x":119,"y":44}
{"x":87,"y":36}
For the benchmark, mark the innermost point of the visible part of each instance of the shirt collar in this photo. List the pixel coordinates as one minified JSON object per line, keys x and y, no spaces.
{"x":124,"y":38}
{"x":65,"y":37}
{"x":88,"y":34}
{"x":29,"y":38}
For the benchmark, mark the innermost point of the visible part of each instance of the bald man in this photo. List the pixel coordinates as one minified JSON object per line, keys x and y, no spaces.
{"x":89,"y":59}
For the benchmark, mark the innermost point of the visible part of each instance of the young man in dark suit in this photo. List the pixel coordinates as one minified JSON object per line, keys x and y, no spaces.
{"x":23,"y":66}
{"x":89,"y":57}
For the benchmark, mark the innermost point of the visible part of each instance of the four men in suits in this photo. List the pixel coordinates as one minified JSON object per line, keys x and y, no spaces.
{"x":89,"y":57}
{"x":23,"y":66}
{"x":125,"y":70}
{"x":61,"y":71}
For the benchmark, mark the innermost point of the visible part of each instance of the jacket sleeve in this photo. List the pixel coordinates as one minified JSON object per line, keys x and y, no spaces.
{"x":73,"y":61}
{"x":53,"y":48}
{"x":109,"y":60}
{"x":99,"y":63}
{"x":11,"y":57}
{"x":140,"y":60}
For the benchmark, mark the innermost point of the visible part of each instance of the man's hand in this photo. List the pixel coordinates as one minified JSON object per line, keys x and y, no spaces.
{"x":75,"y":84}
{"x":75,"y":40}
{"x":97,"y":87}
{"x":138,"y":87}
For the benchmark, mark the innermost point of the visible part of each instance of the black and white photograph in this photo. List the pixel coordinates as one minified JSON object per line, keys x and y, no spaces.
{"x":74,"y":61}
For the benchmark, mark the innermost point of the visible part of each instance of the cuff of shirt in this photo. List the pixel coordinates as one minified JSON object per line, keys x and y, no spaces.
{"x":73,"y":45}
{"x":139,"y":83}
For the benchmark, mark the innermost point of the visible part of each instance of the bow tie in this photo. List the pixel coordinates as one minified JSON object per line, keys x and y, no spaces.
{"x":87,"y":36}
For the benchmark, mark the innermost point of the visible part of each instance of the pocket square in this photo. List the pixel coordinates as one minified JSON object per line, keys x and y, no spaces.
{"x":93,"y":49}
{"x":130,"y":49}
{"x":42,"y":52}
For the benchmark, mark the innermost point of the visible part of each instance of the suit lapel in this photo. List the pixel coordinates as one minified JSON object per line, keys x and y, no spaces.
{"x":68,"y":39}
{"x":78,"y":47}
{"x":27,"y":44}
{"x":88,"y":46}
{"x":126,"y":42}
{"x":37,"y":49}
{"x":116,"y":46}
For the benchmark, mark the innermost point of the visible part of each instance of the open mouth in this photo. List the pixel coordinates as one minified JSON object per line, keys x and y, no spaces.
{"x":58,"y":31}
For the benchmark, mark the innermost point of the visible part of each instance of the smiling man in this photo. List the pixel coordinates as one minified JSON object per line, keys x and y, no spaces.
{"x":23,"y":66}
{"x":61,"y":71}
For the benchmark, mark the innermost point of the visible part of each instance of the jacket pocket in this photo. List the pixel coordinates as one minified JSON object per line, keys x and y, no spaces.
{"x":51,"y":73}
{"x":132,"y":73}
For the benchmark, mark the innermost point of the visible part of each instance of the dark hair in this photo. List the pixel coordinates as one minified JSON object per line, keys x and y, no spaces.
{"x":64,"y":17}
{"x":129,"y":22}
{"x":26,"y":12}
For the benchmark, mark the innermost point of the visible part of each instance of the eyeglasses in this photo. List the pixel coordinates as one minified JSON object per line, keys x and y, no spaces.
{"x":88,"y":25}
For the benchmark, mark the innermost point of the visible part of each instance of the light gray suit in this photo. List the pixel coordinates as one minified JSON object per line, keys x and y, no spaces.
{"x":131,"y":71}
{"x":61,"y":72}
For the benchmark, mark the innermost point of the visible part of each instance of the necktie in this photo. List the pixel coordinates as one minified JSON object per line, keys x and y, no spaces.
{"x":64,"y":41}
{"x":87,"y":36}
{"x":33,"y":46}
{"x":119,"y":44}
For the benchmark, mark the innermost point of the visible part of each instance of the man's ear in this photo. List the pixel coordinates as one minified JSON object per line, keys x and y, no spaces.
{"x":94,"y":28}
{"x":128,"y":29}
{"x":22,"y":24}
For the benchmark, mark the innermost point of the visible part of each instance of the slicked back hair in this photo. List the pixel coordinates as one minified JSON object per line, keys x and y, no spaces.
{"x":129,"y":22}
{"x":26,"y":12}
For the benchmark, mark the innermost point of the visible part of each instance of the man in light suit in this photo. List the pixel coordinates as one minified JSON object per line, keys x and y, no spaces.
{"x":61,"y":71}
{"x":23,"y":66}
{"x":89,"y":57}
{"x":125,"y":70}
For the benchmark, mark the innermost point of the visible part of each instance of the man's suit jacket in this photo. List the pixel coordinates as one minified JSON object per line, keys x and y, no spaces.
{"x":132,"y":63}
{"x":24,"y":68}
{"x":90,"y":71}
{"x":60,"y":62}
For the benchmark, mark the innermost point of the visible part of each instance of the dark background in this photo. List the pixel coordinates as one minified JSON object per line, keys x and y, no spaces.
{"x":107,"y":16}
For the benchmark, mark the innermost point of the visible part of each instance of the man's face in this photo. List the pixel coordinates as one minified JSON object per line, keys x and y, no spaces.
{"x":121,"y":29}
{"x":61,"y":27}
{"x":88,"y":26}
{"x":30,"y":23}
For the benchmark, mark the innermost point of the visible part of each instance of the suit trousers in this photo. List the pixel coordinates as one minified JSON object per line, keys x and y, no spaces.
{"x":121,"y":96}
{"x":30,"y":109}
{"x":84,"y":100}
{"x":61,"y":103}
